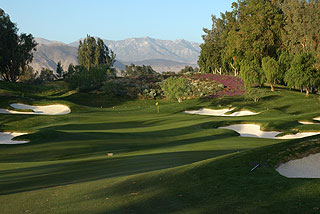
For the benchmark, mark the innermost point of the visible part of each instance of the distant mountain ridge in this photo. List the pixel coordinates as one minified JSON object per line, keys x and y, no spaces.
{"x":162,"y":55}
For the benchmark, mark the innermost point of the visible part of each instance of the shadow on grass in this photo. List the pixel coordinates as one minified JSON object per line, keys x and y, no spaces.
{"x":56,"y":145}
{"x":271,"y":97}
{"x":49,"y":175}
{"x":108,"y":126}
{"x":94,"y":100}
{"x":217,"y":186}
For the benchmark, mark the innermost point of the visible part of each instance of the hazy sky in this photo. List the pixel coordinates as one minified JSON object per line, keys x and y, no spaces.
{"x":69,"y":20}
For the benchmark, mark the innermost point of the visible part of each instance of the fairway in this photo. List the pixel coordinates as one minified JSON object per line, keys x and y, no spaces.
{"x":169,"y":162}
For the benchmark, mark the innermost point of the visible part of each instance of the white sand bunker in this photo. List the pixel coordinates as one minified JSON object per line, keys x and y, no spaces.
{"x":252,"y":130}
{"x":56,"y":109}
{"x":6,"y":138}
{"x":221,"y":112}
{"x":307,"y":123}
{"x":317,"y":118}
{"x":307,"y":167}
{"x":310,"y":123}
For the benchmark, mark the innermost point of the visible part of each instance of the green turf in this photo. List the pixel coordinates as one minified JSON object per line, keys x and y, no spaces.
{"x":163,"y":163}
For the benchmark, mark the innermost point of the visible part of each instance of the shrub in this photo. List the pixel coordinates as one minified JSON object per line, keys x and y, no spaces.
{"x":204,"y":87}
{"x":225,"y":85}
{"x":133,"y":87}
{"x":29,"y":76}
{"x":87,"y":80}
{"x":254,"y":94}
{"x":137,"y":71}
{"x":176,"y":88}
{"x":46,"y":75}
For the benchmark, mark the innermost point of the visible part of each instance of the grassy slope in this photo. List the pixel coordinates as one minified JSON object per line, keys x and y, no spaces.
{"x":167,"y":163}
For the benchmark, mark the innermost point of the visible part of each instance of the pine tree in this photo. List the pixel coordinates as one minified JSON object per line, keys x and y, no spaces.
{"x":59,"y":70}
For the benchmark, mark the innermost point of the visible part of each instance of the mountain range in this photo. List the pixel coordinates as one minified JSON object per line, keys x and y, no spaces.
{"x":162,"y":55}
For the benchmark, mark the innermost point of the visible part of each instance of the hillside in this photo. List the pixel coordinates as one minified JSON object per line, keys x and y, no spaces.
{"x":162,"y":55}
{"x":49,"y":54}
{"x":162,"y":65}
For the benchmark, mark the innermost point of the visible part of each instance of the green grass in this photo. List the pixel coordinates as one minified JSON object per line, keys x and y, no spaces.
{"x":163,"y":163}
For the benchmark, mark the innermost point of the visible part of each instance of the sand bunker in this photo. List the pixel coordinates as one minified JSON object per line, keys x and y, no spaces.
{"x":307,"y":123}
{"x":56,"y":109}
{"x":221,"y":112}
{"x":317,"y":118}
{"x":252,"y":130}
{"x":6,"y":138}
{"x":307,"y":167}
{"x":310,"y":123}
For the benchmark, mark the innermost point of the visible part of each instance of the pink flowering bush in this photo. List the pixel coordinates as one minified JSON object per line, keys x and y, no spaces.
{"x":232,"y":86}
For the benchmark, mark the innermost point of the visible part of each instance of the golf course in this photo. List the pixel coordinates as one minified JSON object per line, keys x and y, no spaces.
{"x":160,"y":107}
{"x":122,"y":156}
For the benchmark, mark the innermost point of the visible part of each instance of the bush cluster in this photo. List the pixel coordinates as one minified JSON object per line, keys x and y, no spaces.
{"x":85,"y":80}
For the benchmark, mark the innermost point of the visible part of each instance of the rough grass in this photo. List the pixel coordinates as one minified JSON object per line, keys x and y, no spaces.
{"x":163,"y":163}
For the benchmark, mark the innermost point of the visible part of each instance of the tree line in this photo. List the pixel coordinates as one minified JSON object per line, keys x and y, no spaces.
{"x":273,"y":41}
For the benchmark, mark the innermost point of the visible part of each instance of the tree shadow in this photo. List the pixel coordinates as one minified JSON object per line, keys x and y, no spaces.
{"x":271,"y":97}
{"x":48,"y":144}
{"x":95,"y":100}
{"x":49,"y":175}
{"x":223,"y":185}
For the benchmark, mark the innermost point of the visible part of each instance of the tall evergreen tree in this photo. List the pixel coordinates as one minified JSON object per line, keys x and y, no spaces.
{"x":258,"y":32}
{"x":302,"y":73}
{"x":270,"y":68}
{"x":93,"y":53}
{"x":301,"y":32}
{"x":59,"y":70}
{"x":211,"y":49}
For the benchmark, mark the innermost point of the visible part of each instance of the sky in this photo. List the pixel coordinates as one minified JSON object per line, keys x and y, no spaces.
{"x":70,"y":20}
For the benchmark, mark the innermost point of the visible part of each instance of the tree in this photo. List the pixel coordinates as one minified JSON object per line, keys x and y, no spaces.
{"x":15,"y":50}
{"x":93,"y":53}
{"x":251,"y":73}
{"x":59,"y":70}
{"x":302,"y":73}
{"x":251,"y":31}
{"x":284,"y":63}
{"x":301,"y":32}
{"x":254,"y":94}
{"x":188,"y":69}
{"x":136,"y":71}
{"x":87,"y":80}
{"x":46,"y":75}
{"x":270,"y":68}
{"x":29,"y":76}
{"x":210,"y":59}
{"x":175,"y":88}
